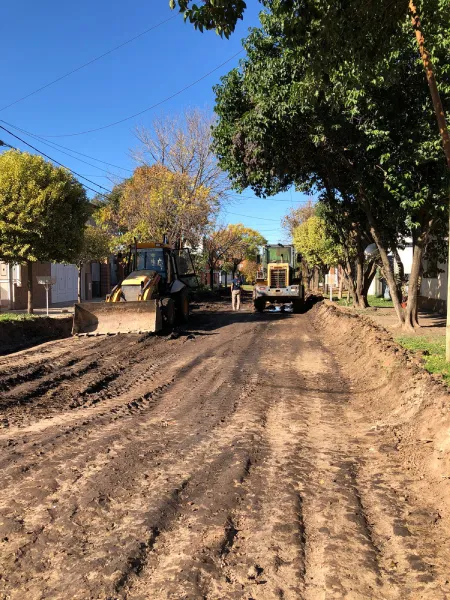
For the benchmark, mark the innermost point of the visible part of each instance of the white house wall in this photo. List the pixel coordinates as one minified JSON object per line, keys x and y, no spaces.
{"x":435,"y":287}
{"x":406,"y":256}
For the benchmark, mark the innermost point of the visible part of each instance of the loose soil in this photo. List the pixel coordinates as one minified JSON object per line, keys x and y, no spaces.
{"x":16,"y":335}
{"x":249,"y":456}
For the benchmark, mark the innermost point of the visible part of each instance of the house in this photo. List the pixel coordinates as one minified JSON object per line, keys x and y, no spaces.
{"x":433,"y":288}
{"x":95,"y":282}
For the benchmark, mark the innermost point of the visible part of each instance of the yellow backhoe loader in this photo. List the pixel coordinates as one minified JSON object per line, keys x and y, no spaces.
{"x":154,"y":293}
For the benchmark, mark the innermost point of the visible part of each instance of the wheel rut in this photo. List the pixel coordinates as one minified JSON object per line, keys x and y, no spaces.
{"x":222,"y":463}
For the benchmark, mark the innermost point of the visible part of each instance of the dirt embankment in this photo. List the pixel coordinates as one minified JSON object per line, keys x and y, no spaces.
{"x":17,"y":335}
{"x":391,"y":389}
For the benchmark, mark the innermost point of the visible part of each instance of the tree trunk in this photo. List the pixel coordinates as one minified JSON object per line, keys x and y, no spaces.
{"x":341,"y":280}
{"x":316,"y":279}
{"x":369,"y":276}
{"x":411,"y":321}
{"x":401,"y":272}
{"x":211,"y":279}
{"x":79,"y":283}
{"x":351,"y":286}
{"x":361,"y":298}
{"x":429,"y":71}
{"x":30,"y":287}
{"x":387,"y":268}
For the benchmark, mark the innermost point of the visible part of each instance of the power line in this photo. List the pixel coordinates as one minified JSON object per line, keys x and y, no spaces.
{"x":37,"y":137}
{"x":240,"y":196}
{"x":145,"y":109}
{"x":58,"y":163}
{"x":88,"y":63}
{"x":52,"y":146}
{"x":251,"y":217}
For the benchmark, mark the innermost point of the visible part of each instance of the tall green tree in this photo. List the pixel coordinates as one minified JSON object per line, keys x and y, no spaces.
{"x":375,"y":146}
{"x":43,"y":212}
{"x":248,"y":242}
{"x":157,"y":201}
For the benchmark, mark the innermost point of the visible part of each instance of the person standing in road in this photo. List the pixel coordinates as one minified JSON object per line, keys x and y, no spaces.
{"x":236,"y":285}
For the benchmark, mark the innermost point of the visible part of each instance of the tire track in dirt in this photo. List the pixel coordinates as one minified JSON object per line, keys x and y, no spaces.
{"x":228,"y":465}
{"x":90,"y":482}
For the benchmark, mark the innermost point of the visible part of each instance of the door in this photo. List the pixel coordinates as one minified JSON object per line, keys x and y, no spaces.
{"x":185,"y":268}
{"x":65,"y":288}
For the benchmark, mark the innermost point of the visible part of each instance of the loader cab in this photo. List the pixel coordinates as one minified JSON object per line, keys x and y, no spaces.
{"x":282,"y":263}
{"x":151,"y":259}
{"x":170,"y":264}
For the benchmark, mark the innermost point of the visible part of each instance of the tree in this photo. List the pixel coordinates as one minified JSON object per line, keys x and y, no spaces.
{"x":249,"y":270}
{"x":317,"y":248}
{"x":346,"y":225}
{"x":218,"y":245}
{"x":297,"y":216}
{"x":43,"y":211}
{"x":156,"y":201}
{"x":248,"y":241}
{"x":374,"y":146}
{"x":182,"y":144}
{"x":96,"y":246}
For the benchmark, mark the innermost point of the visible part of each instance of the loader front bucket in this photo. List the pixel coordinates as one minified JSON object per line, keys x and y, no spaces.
{"x":116,"y":317}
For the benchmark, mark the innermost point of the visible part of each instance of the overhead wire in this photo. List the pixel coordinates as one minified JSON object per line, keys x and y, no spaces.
{"x":251,"y":216}
{"x":60,"y":164}
{"x":50,"y":83}
{"x":141,"y":112}
{"x":52,"y":144}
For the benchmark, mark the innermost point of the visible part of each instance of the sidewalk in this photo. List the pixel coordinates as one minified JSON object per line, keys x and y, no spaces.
{"x":57,"y":310}
{"x":432,"y":325}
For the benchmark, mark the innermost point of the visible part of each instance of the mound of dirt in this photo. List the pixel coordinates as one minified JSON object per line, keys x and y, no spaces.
{"x":392,"y":388}
{"x":17,"y":335}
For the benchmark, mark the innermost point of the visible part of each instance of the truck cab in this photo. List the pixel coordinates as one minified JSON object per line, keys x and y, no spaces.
{"x":278,"y":279}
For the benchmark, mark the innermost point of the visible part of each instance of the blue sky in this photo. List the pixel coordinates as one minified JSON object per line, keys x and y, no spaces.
{"x":42,"y":41}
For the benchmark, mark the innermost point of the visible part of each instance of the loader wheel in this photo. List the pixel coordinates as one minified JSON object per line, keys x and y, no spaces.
{"x":183,"y":306}
{"x":168,"y":311}
{"x":259,"y":304}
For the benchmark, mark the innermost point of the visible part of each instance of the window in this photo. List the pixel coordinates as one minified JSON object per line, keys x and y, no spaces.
{"x":151,"y":259}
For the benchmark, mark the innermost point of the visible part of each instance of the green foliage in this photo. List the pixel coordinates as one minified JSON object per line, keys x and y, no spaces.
{"x":43,"y":210}
{"x":248,"y":242}
{"x":16,"y":317}
{"x":227,"y":246}
{"x":358,"y":136}
{"x":316,"y":248}
{"x":221,"y":15}
{"x":97,"y":246}
{"x":433,"y":354}
{"x":156,"y":201}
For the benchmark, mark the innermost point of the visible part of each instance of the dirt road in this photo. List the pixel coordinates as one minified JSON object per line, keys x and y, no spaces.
{"x":228,"y":462}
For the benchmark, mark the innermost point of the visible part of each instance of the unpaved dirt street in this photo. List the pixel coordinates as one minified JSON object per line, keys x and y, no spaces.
{"x":228,"y":462}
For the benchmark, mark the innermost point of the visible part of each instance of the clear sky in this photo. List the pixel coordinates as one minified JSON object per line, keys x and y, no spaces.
{"x":43,"y":41}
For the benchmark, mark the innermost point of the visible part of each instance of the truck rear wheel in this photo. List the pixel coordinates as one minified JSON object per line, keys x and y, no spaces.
{"x":297,"y":305}
{"x":259,"y":304}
